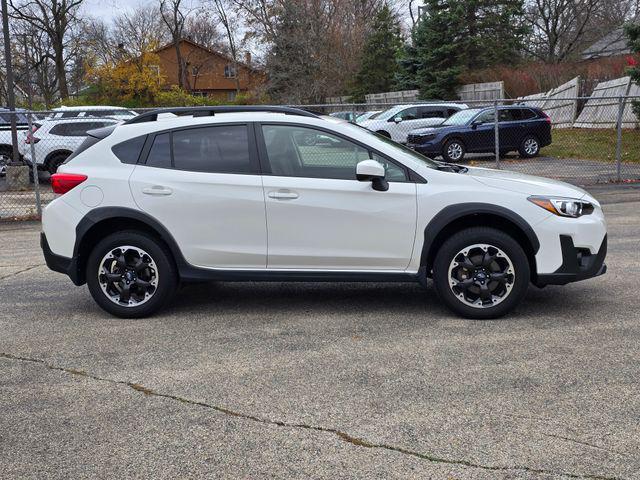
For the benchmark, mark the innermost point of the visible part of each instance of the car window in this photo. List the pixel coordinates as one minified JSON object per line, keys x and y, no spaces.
{"x":394,"y":173}
{"x":526,"y":114}
{"x":160,"y":153}
{"x":407,"y":114}
{"x":461,"y":117}
{"x":431,"y":112}
{"x":305,"y":152}
{"x":219,"y":149}
{"x":451,"y":111}
{"x":129,"y":150}
{"x":74,"y":129}
{"x":487,"y":116}
{"x":508,"y":115}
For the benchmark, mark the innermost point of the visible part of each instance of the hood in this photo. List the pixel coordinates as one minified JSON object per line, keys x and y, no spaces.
{"x":432,"y":129}
{"x":527,"y":184}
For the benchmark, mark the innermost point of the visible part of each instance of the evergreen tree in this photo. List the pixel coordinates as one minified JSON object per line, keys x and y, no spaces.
{"x":632,"y":30}
{"x":379,"y":57}
{"x":454,"y":36}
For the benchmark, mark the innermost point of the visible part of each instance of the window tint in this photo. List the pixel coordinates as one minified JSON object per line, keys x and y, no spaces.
{"x":129,"y":151}
{"x":407,"y":114}
{"x":451,"y":111}
{"x":305,"y":152}
{"x":220,"y":149}
{"x":395,"y":173}
{"x":431,"y":112}
{"x":525,"y":114}
{"x":508,"y":115}
{"x":160,"y":153}
{"x":99,"y":113}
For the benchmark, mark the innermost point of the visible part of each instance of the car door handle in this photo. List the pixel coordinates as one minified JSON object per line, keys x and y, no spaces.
{"x":283,"y":194}
{"x":157,"y":190}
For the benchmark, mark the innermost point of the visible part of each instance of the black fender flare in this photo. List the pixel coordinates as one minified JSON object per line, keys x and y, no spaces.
{"x":454,"y":212}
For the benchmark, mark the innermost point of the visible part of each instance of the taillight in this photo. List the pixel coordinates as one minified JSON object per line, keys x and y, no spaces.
{"x":30,"y":138}
{"x":547,"y":118}
{"x":63,"y":182}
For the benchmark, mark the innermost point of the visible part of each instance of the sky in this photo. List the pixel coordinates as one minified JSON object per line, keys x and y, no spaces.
{"x":107,"y":9}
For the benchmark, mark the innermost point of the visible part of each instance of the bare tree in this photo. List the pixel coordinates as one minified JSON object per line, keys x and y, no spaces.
{"x":55,"y":18}
{"x":230,"y":26}
{"x":174,"y":18}
{"x":139,"y":31}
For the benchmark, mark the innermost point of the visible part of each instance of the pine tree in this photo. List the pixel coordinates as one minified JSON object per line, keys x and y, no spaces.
{"x":379,"y":57}
{"x":454,"y":36}
{"x":632,"y":30}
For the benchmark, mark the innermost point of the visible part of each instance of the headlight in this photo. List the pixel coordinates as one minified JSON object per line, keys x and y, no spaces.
{"x":563,"y":207}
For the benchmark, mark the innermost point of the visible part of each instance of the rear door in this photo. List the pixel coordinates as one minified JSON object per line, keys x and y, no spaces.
{"x":203,"y":184}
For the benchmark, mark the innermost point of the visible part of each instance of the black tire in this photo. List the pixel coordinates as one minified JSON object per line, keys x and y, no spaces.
{"x":529,"y":147}
{"x":453,"y":151}
{"x":167,"y":277}
{"x":450,"y":250}
{"x":384,"y":133}
{"x":55,"y":161}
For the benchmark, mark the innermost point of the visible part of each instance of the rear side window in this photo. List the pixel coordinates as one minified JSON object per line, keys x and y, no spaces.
{"x":76,"y":129}
{"x":160,"y":153}
{"x":219,"y":149}
{"x":526,"y":114}
{"x":129,"y":151}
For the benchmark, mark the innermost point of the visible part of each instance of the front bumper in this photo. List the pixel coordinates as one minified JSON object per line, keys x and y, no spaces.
{"x":577,"y":264}
{"x":58,"y":263}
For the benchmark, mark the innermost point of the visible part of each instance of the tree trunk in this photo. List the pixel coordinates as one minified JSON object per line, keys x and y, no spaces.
{"x":61,"y":74}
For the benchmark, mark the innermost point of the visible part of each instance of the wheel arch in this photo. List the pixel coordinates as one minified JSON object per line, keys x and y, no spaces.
{"x":383,"y":132}
{"x":100,"y":222}
{"x":454,"y":218}
{"x":51,"y":155}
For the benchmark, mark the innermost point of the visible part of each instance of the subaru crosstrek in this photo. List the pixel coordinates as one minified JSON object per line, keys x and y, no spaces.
{"x":240,"y":194}
{"x":520,"y":128}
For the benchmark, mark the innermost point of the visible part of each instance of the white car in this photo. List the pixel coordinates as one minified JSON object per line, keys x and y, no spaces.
{"x":368,"y":115}
{"x":93,"y":111}
{"x":396,"y":122}
{"x":239,"y":194}
{"x":6,"y":146}
{"x":55,"y":140}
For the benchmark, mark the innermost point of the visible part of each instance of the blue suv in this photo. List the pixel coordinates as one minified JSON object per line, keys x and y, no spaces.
{"x":521,"y":128}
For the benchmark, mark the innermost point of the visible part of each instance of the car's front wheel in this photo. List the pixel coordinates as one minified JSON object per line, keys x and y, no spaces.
{"x":131,"y":274}
{"x":530,"y":147}
{"x":481,"y":273}
{"x":453,"y":151}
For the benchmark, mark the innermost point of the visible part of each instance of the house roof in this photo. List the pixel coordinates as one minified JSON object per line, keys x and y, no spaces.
{"x":613,"y":43}
{"x":208,"y":50}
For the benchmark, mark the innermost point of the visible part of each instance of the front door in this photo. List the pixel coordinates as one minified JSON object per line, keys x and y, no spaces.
{"x":203,"y":185}
{"x":320,"y":217}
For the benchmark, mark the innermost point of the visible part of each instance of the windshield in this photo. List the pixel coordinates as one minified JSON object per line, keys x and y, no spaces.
{"x":462,"y":117}
{"x":375,"y":115}
{"x":400,"y":148}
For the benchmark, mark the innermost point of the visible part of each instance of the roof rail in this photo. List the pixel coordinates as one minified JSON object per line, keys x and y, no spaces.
{"x":152,"y":116}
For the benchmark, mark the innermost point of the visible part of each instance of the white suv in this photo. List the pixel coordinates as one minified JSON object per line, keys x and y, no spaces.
{"x":239,"y":193}
{"x":55,"y":140}
{"x":396,"y":122}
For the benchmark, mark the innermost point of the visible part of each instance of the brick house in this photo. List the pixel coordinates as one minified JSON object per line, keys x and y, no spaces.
{"x":208,"y":73}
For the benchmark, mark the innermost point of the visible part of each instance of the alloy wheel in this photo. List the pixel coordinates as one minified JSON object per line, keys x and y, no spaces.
{"x":454,"y":151}
{"x":128,"y":276}
{"x":481,"y":275}
{"x":531,"y":146}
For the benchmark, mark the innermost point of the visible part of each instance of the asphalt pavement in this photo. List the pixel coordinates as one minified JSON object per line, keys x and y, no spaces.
{"x":276,"y":380}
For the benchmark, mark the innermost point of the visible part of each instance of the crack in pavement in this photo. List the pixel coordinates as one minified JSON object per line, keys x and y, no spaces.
{"x":586,"y":444}
{"x":360,"y":442}
{"x":30,"y":267}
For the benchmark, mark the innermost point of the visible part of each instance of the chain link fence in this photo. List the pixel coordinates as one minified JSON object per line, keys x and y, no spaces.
{"x":580,"y":140}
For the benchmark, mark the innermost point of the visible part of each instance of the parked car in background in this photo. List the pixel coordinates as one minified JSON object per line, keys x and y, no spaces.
{"x":349,"y":116}
{"x":396,"y":122}
{"x":6,"y":149}
{"x":521,"y":128}
{"x":93,"y":111}
{"x":367,"y":115}
{"x":55,"y":140}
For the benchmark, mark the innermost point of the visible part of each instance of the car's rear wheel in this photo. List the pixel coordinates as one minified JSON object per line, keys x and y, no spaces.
{"x":131,"y":274}
{"x":530,"y":147}
{"x":481,"y":273}
{"x":55,"y":161}
{"x":453,"y":150}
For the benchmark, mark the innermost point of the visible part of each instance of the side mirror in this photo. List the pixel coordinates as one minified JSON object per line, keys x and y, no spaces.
{"x":397,"y":119}
{"x":372,"y":171}
{"x":475,"y":124}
